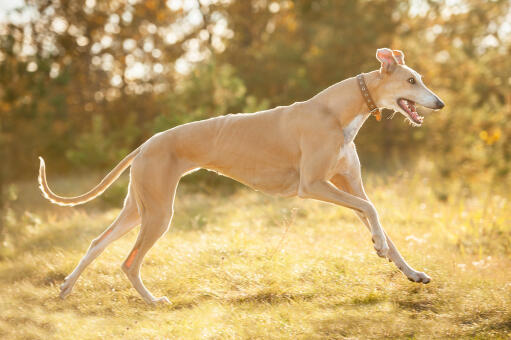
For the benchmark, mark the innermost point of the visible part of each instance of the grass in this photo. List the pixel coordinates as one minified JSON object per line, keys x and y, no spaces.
{"x":238,"y":264}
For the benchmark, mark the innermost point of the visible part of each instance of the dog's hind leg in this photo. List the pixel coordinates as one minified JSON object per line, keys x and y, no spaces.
{"x":153,"y":227}
{"x":127,"y":220}
{"x":155,"y":189}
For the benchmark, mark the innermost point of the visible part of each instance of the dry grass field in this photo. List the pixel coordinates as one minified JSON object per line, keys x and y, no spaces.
{"x":238,"y":264}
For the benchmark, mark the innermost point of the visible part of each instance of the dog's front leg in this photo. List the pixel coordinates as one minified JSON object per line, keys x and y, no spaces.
{"x":319,"y":157}
{"x":354,"y":186}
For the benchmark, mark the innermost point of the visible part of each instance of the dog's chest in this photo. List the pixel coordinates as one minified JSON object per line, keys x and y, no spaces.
{"x":346,"y":156}
{"x":344,"y":161}
{"x":351,"y":130}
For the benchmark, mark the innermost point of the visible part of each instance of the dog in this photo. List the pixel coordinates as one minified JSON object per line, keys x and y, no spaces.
{"x":305,"y":149}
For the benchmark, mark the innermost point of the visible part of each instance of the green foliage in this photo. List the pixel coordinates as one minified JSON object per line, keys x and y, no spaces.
{"x":88,"y":94}
{"x":100,"y":146}
{"x":210,"y":90}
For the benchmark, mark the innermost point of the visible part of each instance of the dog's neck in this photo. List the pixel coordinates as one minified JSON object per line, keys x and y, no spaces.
{"x":345,"y":100}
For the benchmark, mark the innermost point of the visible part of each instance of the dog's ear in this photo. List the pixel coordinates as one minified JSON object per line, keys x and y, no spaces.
{"x":387,"y":60}
{"x":399,"y":56}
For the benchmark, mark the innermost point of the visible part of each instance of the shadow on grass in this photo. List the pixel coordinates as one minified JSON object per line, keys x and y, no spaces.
{"x":418,"y":299}
{"x":417,"y":305}
{"x":262,"y":297}
{"x":500,"y":326}
{"x":364,"y":309}
{"x":273,"y":298}
{"x":369,"y":299}
{"x":486,"y":323}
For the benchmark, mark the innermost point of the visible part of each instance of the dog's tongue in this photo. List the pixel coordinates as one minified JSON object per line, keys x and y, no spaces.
{"x":412,"y":111}
{"x":410,"y":105}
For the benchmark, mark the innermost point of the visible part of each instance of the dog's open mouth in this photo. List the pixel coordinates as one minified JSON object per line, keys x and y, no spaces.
{"x":409,"y":107}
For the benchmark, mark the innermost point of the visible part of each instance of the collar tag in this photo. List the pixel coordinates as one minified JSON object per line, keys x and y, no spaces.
{"x":377,"y":114}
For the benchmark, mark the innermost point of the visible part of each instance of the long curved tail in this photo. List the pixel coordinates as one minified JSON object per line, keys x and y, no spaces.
{"x":93,"y":193}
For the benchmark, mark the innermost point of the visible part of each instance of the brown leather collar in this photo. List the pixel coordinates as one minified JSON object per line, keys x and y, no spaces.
{"x":367,"y":97}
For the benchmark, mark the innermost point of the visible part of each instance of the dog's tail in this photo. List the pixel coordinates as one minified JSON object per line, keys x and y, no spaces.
{"x":93,"y":193}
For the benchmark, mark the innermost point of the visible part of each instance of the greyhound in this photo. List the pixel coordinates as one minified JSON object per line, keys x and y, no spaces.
{"x":305,"y":149}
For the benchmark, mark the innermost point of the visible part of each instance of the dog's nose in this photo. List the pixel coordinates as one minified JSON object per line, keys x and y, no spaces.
{"x":439,"y":103}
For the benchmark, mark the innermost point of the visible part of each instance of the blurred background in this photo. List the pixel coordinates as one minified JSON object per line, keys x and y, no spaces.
{"x":84,"y":82}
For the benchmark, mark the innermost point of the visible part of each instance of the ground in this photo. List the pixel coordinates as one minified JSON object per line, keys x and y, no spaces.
{"x":237,"y":264}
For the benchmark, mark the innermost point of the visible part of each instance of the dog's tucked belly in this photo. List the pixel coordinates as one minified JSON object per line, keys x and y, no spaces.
{"x":282,"y":182}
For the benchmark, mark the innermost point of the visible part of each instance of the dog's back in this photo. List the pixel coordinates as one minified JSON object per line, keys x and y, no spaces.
{"x":251,"y":148}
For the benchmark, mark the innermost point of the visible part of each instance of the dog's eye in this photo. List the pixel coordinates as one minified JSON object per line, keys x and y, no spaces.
{"x":411,"y":80}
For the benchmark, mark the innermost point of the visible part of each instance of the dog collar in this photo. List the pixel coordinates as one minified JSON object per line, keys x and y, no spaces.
{"x":373,"y":109}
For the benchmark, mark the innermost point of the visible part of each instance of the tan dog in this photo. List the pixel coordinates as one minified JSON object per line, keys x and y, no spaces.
{"x":305,"y":149}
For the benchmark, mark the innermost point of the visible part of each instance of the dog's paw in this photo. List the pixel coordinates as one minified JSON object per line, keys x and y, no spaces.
{"x":380,"y":245}
{"x":66,"y":288}
{"x":161,"y":301}
{"x":419,"y":277}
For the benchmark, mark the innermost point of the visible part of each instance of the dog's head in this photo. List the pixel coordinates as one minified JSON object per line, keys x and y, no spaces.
{"x":402,"y":88}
